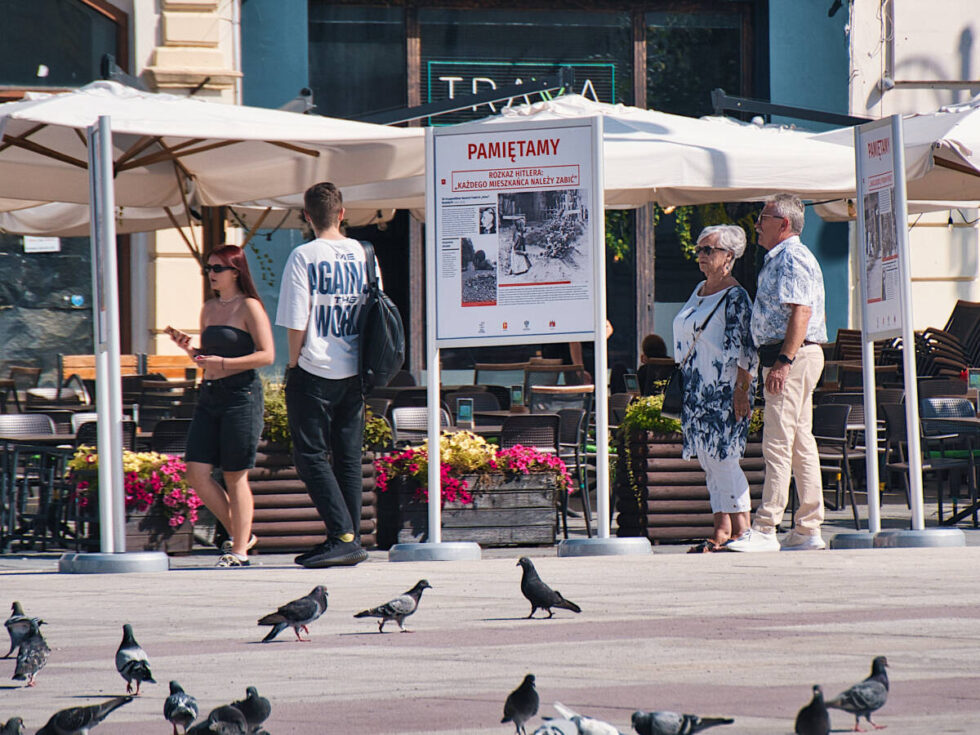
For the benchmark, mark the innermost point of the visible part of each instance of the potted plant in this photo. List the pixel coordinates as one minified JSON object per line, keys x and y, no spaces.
{"x":160,"y":507}
{"x":492,"y":496}
{"x":659,"y":494}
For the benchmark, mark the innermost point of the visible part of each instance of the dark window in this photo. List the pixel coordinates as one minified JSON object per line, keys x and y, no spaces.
{"x":54,"y":43}
{"x":357,"y":59}
{"x":466,"y":51}
{"x":688,"y":55}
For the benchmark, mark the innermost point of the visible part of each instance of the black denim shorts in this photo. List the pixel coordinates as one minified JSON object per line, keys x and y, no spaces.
{"x":227,"y":422}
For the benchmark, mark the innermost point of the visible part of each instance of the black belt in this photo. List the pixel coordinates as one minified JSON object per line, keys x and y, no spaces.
{"x":238,"y":380}
{"x":806,"y":342}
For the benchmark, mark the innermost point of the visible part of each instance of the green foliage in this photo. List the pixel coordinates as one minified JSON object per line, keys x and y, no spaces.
{"x":377,"y":432}
{"x":276,"y":425}
{"x":619,"y":233}
{"x":756,"y":421}
{"x":643,"y":414}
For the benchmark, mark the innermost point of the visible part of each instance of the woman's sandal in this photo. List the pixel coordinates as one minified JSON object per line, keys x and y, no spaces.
{"x":704,"y":547}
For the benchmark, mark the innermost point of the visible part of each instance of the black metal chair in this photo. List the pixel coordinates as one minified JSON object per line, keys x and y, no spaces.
{"x":22,"y":379}
{"x":896,"y":460}
{"x":87,"y":434}
{"x":482,"y":400}
{"x":572,"y":426}
{"x":411,"y":423}
{"x":379,"y":406}
{"x":159,"y":400}
{"x":537,"y":430}
{"x":13,"y":424}
{"x":830,"y":431}
{"x":618,"y":403}
{"x":170,"y":436}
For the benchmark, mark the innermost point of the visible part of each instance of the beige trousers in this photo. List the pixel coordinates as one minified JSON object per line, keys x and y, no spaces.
{"x":789,"y":448}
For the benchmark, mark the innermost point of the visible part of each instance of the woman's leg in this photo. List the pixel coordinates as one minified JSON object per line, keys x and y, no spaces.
{"x":740,"y":523}
{"x":723,"y":529}
{"x":241,"y":508}
{"x":211,"y":493}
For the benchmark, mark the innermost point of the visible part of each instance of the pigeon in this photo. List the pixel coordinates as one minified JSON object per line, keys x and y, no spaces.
{"x":521,"y":705}
{"x":674,"y":723}
{"x":180,"y":707}
{"x":586,"y":725}
{"x":864,"y":698}
{"x":79,"y":720}
{"x":557,"y":727}
{"x":225,"y":720}
{"x":13,"y":726}
{"x":33,"y":654}
{"x":297,"y":614}
{"x":17,"y":627}
{"x":132,"y":662}
{"x":399,"y":608}
{"x":814,"y":719}
{"x":256,"y":709}
{"x":539,"y":594}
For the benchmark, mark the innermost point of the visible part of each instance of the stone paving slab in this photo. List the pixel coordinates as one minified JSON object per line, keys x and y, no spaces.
{"x":719,"y":634}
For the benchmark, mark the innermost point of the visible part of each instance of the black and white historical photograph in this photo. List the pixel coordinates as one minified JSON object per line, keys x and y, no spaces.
{"x":543,"y":236}
{"x":479,"y":271}
{"x":488,"y":220}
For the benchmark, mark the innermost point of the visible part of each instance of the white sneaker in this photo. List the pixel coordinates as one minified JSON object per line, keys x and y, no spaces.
{"x":752,"y":540}
{"x":795,"y":541}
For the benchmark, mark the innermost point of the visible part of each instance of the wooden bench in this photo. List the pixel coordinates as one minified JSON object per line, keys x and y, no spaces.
{"x":84,"y":366}
{"x":172,"y":367}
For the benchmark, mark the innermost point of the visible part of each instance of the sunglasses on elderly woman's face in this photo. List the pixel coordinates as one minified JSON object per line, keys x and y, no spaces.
{"x":706,"y":250}
{"x":218,"y":268}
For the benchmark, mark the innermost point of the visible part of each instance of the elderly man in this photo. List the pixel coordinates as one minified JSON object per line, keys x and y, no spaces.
{"x":788,"y":326}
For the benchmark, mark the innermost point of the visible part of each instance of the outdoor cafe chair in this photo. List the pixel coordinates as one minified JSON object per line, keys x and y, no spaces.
{"x":537,"y":430}
{"x":572,"y":425}
{"x":18,"y":424}
{"x":482,"y":400}
{"x":87,"y":434}
{"x":830,"y":432}
{"x":410,"y":424}
{"x":379,"y":406}
{"x":553,"y":398}
{"x":170,"y":436}
{"x":19,"y":380}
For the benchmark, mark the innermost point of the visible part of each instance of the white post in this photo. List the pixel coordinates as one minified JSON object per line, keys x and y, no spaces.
{"x":435,"y":467}
{"x":871,"y":434}
{"x":601,"y":362}
{"x":106,"y":327}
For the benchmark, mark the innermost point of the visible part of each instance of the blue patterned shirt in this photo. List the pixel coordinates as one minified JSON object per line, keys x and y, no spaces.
{"x":790,"y":275}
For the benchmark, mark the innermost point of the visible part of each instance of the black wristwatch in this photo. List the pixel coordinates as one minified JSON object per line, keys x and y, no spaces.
{"x":785,"y":359}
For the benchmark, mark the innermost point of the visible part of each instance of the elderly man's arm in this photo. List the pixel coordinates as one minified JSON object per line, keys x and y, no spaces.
{"x":799,"y":320}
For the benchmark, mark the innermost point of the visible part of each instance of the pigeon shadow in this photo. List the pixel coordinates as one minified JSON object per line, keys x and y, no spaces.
{"x":12,"y":686}
{"x":519,"y":617}
{"x":101,"y":695}
{"x":364,"y":633}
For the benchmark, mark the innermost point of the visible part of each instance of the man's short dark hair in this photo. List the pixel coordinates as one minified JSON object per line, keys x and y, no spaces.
{"x":653,"y":346}
{"x":323,"y":203}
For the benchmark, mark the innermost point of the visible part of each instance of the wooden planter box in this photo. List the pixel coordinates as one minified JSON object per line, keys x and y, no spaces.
{"x":285,"y":519}
{"x":145,"y":532}
{"x":505,"y":512}
{"x":670,"y":502}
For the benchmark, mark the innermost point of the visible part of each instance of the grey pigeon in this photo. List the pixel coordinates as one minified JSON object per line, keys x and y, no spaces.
{"x":521,"y":705}
{"x":296,"y":614}
{"x":539,"y":594}
{"x":180,"y":708}
{"x":13,"y":726}
{"x":814,"y":719}
{"x":33,"y":654}
{"x":864,"y":698}
{"x":255,"y":708}
{"x":79,"y":720}
{"x":399,"y":608}
{"x":17,"y":627}
{"x":674,"y":723}
{"x":132,"y":662}
{"x":557,"y":727}
{"x":586,"y":725}
{"x":225,"y":720}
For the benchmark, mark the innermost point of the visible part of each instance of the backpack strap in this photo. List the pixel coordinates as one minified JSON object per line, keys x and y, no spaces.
{"x":369,"y":271}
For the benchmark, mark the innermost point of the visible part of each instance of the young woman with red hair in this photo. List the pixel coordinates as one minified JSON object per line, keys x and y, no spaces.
{"x":236,"y":338}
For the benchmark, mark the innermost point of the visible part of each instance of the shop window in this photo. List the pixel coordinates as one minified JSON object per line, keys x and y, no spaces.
{"x":58,"y":43}
{"x":357,"y":59}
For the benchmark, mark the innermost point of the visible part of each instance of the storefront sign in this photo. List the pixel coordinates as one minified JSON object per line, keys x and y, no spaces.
{"x":518,"y":231}
{"x":41,"y":244}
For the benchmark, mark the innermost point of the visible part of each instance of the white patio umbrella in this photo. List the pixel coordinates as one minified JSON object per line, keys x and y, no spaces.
{"x":669,"y":159}
{"x":168,"y":150}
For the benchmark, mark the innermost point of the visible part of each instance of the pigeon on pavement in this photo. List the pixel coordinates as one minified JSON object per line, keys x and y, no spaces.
{"x":539,"y":594}
{"x":297,"y":614}
{"x":225,"y":720}
{"x":521,"y":705}
{"x":674,"y":723}
{"x":180,"y":708}
{"x":814,"y":719}
{"x":255,"y":708}
{"x":586,"y":725}
{"x":557,"y":727}
{"x":79,"y":720}
{"x":864,"y":698}
{"x":17,"y":627}
{"x":132,"y":662}
{"x":13,"y":726}
{"x":33,"y":654}
{"x":399,"y":608}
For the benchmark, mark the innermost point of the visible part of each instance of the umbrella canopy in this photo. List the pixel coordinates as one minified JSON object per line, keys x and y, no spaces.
{"x":168,"y":150}
{"x":942,"y":152}
{"x":653,"y":156}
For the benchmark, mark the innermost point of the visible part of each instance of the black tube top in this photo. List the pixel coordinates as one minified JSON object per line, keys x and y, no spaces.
{"x":224,"y":341}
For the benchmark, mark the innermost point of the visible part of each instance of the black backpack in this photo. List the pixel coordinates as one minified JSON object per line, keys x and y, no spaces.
{"x":382,"y":332}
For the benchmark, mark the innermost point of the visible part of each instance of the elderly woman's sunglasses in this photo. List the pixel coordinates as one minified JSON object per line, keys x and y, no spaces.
{"x":218,"y":268}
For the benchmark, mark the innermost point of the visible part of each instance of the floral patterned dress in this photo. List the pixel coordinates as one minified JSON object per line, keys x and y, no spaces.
{"x":708,"y":415}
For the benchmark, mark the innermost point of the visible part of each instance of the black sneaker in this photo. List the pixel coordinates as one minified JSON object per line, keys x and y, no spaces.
{"x":318,"y":549}
{"x":337,"y":554}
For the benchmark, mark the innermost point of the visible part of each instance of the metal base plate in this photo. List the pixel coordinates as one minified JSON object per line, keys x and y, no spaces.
{"x":853,"y":541}
{"x":927,"y":538}
{"x":627,"y":546}
{"x":121,"y":563}
{"x":442,"y":551}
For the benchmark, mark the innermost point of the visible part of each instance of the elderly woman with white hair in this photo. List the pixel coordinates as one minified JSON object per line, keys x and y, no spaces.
{"x":713,"y":344}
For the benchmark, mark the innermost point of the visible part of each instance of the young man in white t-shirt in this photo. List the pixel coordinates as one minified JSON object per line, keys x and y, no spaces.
{"x":320,"y":299}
